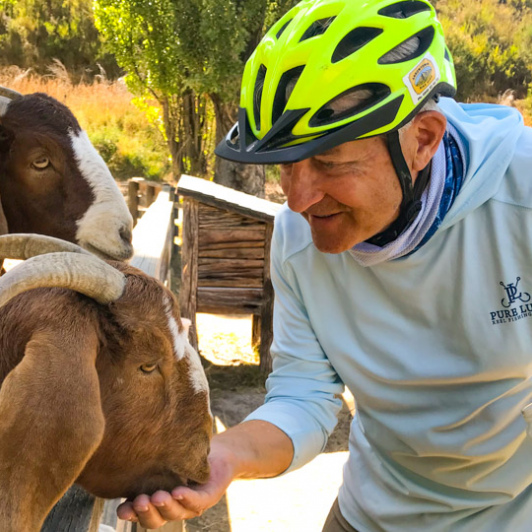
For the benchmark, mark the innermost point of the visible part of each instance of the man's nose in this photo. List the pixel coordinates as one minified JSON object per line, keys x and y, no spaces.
{"x":301,"y":184}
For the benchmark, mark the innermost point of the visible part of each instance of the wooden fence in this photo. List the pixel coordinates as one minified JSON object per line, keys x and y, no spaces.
{"x":153,"y":236}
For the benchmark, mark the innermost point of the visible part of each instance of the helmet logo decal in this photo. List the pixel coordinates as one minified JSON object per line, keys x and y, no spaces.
{"x":422,"y":79}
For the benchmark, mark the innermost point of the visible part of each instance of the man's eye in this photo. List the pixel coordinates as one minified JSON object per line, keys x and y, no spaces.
{"x":328,"y":164}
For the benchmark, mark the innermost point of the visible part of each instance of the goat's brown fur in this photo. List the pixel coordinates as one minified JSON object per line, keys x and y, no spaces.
{"x":70,"y":366}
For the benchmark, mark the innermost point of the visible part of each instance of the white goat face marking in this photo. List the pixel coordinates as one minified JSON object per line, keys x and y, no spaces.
{"x":99,"y":230}
{"x":182,"y":348}
{"x":179,"y":344}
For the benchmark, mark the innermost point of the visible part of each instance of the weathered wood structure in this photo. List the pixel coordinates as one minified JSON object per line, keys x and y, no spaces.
{"x":225,"y":257}
{"x":153,"y":235}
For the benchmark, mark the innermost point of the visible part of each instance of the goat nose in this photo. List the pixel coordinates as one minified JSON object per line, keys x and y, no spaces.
{"x":125,"y":234}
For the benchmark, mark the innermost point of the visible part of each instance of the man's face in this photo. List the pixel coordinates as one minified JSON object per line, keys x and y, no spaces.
{"x":347,"y":194}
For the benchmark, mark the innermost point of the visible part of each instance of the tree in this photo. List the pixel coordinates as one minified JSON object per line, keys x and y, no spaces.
{"x":189,"y":55}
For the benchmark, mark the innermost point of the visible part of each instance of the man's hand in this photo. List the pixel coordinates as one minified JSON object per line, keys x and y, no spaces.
{"x":253,"y":449}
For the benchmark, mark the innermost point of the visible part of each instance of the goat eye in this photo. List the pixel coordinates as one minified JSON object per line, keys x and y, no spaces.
{"x":41,"y":163}
{"x":148,"y":368}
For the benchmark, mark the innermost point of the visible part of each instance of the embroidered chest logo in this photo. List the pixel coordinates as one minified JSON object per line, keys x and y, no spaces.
{"x":513,"y":296}
{"x":516,"y":304}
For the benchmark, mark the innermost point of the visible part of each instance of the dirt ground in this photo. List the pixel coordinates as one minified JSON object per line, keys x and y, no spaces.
{"x":297,"y":502}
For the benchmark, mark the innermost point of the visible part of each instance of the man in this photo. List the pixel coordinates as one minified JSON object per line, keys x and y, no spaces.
{"x":401,"y":268}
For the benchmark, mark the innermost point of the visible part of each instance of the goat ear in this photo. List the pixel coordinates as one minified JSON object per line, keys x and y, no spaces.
{"x":51,"y":423}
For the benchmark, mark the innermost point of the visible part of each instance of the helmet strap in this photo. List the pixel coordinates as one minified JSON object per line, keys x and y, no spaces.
{"x":411,"y":203}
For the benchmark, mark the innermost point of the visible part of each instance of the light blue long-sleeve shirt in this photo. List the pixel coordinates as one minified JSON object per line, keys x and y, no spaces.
{"x":436,"y":348}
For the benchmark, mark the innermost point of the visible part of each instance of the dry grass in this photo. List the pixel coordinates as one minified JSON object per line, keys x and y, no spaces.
{"x":130,"y":141}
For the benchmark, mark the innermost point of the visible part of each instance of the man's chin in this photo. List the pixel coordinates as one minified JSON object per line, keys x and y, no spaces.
{"x":331,"y":247}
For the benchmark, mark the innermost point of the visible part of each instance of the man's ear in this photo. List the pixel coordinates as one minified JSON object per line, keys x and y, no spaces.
{"x":428,"y":128}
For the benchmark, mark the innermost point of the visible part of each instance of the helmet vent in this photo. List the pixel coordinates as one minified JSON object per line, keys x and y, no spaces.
{"x":353,"y":41}
{"x":447,"y":54}
{"x":405,"y":9}
{"x":350,"y":103}
{"x":284,"y":90}
{"x":317,"y":28}
{"x":417,"y":45}
{"x":257,"y":94}
{"x":283,"y":27}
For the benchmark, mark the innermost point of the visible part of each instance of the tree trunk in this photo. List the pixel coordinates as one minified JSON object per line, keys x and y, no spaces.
{"x":193,"y":125}
{"x":249,"y":178}
{"x":170,"y":127}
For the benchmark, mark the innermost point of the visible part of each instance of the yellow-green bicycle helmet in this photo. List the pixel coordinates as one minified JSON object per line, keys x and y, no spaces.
{"x":300,"y":86}
{"x":333,"y":71}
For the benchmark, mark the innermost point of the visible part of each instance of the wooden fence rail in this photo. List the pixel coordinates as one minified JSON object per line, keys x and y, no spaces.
{"x":153,"y":235}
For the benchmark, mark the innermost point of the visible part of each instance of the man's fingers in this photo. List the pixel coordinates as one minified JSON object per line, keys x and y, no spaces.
{"x":174,"y":508}
{"x":126,"y":512}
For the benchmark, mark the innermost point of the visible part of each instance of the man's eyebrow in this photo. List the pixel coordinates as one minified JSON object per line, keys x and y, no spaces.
{"x":331,"y":151}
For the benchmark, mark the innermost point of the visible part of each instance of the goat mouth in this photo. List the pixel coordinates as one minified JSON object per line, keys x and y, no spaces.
{"x":165,"y":481}
{"x":126,"y":254}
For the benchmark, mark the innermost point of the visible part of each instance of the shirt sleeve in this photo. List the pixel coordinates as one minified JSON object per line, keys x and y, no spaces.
{"x":303,"y":389}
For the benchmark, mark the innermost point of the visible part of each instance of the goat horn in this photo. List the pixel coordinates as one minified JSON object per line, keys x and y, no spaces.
{"x":22,"y":246}
{"x":10,"y":94}
{"x":86,"y":274}
{"x":6,"y":96}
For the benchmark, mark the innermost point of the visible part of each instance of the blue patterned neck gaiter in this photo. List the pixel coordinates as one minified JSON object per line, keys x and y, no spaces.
{"x":453,"y":183}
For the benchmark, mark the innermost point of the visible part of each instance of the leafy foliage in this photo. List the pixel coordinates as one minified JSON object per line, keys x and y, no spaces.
{"x":491,"y":43}
{"x":34,"y":32}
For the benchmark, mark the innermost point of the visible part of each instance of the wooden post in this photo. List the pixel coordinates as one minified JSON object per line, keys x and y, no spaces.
{"x":73,"y":512}
{"x":133,"y":199}
{"x":266,"y":325}
{"x":255,"y":331}
{"x":150,"y":194}
{"x":189,"y":266}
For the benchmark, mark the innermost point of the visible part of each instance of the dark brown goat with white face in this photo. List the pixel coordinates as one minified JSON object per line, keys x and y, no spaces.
{"x":99,"y":384}
{"x":53,"y":181}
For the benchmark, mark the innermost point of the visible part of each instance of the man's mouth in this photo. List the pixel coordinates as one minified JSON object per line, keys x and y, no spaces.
{"x":323,"y":217}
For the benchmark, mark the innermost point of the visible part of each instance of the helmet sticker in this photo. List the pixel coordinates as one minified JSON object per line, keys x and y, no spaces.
{"x":422,"y":79}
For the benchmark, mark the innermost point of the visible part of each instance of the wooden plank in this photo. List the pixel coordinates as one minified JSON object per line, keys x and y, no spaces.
{"x":252,"y":282}
{"x":213,"y":216}
{"x":230,"y":245}
{"x":252,"y":234}
{"x":235,"y":276}
{"x":152,"y":238}
{"x":72,"y":513}
{"x":231,"y":253}
{"x":266,"y":323}
{"x":224,"y":264}
{"x":153,"y":235}
{"x":189,"y":267}
{"x":226,"y":198}
{"x":229,"y":300}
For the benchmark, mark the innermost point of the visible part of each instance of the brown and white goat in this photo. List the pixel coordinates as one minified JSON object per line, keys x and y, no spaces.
{"x":54,"y":182}
{"x":99,"y":384}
